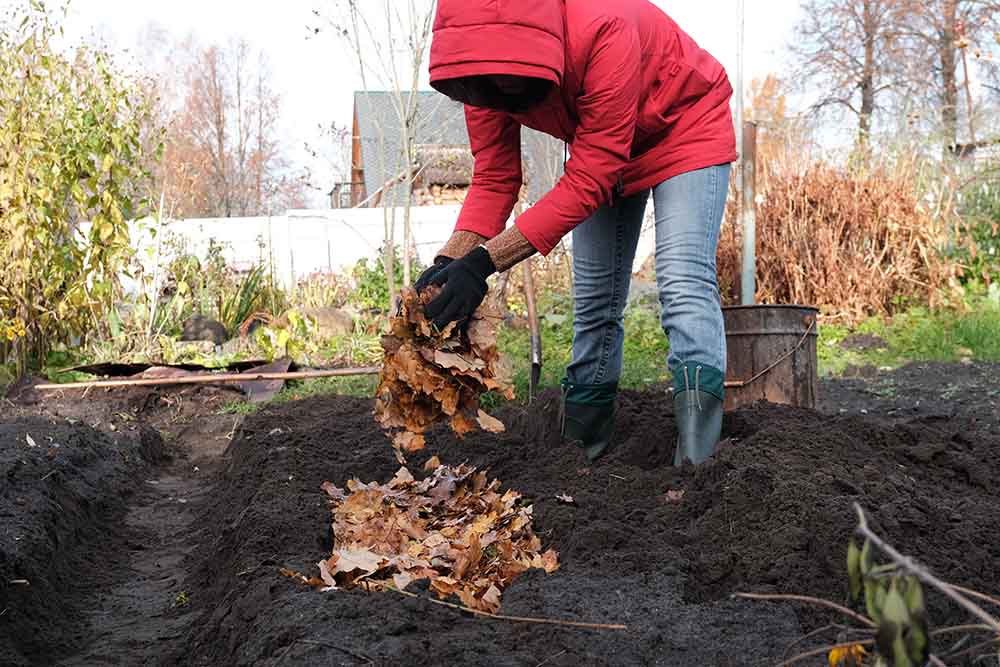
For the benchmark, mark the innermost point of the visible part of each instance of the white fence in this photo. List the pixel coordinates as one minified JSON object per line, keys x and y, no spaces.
{"x":300,"y":242}
{"x":303,"y":242}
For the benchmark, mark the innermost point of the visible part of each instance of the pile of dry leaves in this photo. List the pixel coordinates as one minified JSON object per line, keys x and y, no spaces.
{"x":453,"y":528}
{"x":430,"y":376}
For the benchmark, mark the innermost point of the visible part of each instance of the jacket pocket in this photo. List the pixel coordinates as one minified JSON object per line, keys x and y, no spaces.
{"x":674,"y":87}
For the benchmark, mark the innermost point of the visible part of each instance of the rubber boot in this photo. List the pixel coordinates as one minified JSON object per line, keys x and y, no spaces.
{"x":588,"y":416}
{"x":698,"y":401}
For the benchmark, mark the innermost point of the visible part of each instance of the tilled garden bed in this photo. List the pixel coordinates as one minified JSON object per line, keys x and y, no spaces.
{"x":657,"y":549}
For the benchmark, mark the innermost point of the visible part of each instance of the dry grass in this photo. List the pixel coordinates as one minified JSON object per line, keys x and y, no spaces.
{"x":855,"y":243}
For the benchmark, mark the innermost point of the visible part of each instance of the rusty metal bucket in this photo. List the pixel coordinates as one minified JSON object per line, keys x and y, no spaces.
{"x":772,"y":355}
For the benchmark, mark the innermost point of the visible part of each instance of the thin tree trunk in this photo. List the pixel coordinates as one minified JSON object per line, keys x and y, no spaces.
{"x":389,"y":255}
{"x":408,"y":203}
{"x":949,"y":101}
{"x":968,"y":98}
{"x":867,"y":83}
{"x":260,"y":145}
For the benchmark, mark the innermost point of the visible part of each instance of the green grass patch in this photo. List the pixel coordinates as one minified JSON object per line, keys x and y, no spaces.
{"x":919,"y":334}
{"x":360,"y":386}
{"x":645,"y":350}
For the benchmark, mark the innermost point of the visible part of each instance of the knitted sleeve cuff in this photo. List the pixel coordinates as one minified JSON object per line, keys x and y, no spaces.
{"x":509,"y":249}
{"x":460,"y":244}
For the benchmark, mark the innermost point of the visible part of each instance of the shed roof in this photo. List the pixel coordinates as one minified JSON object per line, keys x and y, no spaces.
{"x":440,"y":122}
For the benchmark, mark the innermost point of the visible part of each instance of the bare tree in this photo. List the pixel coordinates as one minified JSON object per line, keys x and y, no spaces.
{"x":375,"y":35}
{"x":850,"y":50}
{"x":946,"y":30}
{"x":222,"y":156}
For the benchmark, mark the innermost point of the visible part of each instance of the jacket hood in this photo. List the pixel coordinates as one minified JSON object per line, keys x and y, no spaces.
{"x":484,"y":37}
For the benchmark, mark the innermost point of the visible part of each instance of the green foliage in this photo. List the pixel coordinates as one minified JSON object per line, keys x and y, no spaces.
{"x":361,"y":387}
{"x":207,"y":286}
{"x":645,"y":348}
{"x":371,"y":289}
{"x":297,"y":341}
{"x":70,"y":151}
{"x":979,"y":252}
{"x":968,"y":330}
{"x":321,"y":290}
{"x":895,"y":602}
{"x":240,"y":304}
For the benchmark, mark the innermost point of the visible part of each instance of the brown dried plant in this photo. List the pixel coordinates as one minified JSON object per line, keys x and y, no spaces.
{"x":854,"y":243}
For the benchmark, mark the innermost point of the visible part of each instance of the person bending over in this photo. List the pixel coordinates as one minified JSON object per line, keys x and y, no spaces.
{"x":645,"y":111}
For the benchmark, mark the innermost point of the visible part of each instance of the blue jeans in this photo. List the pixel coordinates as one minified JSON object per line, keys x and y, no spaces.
{"x":689,"y":210}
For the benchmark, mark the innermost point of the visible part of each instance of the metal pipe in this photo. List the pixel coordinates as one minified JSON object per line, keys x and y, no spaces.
{"x":749,"y":205}
{"x":748,"y":279}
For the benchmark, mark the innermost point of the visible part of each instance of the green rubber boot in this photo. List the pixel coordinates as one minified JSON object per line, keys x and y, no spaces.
{"x":588,"y":416}
{"x":698,"y":399}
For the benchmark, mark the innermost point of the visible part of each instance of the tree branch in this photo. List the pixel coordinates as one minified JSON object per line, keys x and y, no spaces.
{"x":912,"y":567}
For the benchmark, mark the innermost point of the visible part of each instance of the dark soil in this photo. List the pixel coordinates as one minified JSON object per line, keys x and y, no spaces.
{"x":64,"y":491}
{"x":771,"y":513}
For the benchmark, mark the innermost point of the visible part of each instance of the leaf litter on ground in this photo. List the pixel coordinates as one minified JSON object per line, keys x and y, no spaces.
{"x":430,"y":376}
{"x":455,"y":529}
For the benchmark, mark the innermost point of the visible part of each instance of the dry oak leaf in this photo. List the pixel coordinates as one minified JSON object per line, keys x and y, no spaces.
{"x":430,"y":377}
{"x":453,"y":528}
{"x":489,"y":423}
{"x":409,"y":442}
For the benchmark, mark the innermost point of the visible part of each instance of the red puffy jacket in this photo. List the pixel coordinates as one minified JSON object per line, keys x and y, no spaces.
{"x":636,"y":99}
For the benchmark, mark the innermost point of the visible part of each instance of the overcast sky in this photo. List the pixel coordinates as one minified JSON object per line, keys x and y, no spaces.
{"x":316,"y":77}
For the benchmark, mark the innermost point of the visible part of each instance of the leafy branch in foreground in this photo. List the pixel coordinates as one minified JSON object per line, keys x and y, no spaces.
{"x":896,"y":624}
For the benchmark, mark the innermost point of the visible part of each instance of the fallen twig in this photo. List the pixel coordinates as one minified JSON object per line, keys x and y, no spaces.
{"x":920,"y":572}
{"x":247,"y":571}
{"x":516,"y":619}
{"x":552,"y":657}
{"x":974,"y":594}
{"x":824,"y":650}
{"x":864,"y":620}
{"x":359,"y":656}
{"x":817,"y":632}
{"x":961,"y":628}
{"x":969,"y":651}
{"x":212,"y":378}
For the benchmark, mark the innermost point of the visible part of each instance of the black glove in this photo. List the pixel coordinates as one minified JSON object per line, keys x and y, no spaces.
{"x":440,"y":262}
{"x":464,"y":282}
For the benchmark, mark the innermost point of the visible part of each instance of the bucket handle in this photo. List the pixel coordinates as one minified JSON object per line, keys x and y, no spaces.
{"x":739,"y":384}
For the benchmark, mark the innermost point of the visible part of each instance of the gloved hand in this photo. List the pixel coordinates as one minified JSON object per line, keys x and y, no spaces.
{"x":440,"y":262}
{"x":464,"y":282}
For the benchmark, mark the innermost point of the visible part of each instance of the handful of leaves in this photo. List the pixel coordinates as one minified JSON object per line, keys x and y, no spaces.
{"x":454,"y":528}
{"x":430,"y":376}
